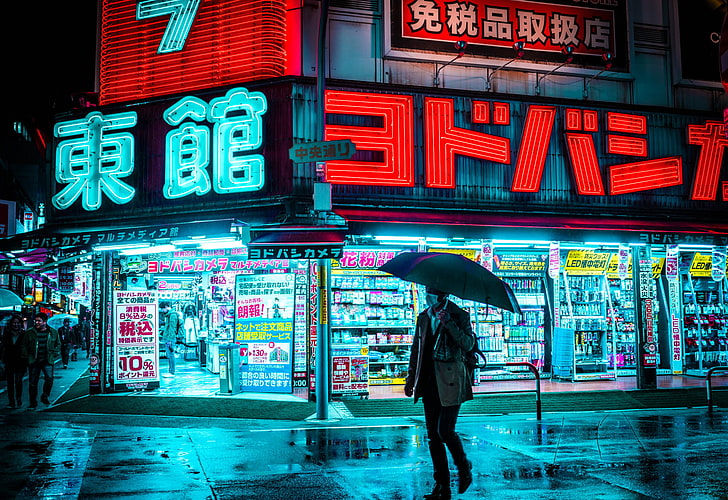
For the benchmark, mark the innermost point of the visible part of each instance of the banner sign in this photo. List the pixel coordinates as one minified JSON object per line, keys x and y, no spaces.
{"x":491,"y":27}
{"x":586,"y":262}
{"x":717,"y":263}
{"x":136,"y":339}
{"x":264,"y":312}
{"x":701,"y":265}
{"x":523,"y":263}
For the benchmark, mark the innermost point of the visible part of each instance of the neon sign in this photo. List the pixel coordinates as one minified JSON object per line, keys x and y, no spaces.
{"x":92,"y":159}
{"x":94,"y":155}
{"x":181,"y":12}
{"x":163,"y":47}
{"x":626,"y":137}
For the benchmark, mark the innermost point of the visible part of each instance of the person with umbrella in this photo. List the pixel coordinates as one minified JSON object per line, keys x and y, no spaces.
{"x":437,"y":374}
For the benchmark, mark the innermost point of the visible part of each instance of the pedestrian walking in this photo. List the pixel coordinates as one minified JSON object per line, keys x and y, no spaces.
{"x":437,"y":374}
{"x":76,"y":341}
{"x":170,"y":334}
{"x":41,"y":349}
{"x":15,"y":363}
{"x":84,"y":332}
{"x":65,"y":333}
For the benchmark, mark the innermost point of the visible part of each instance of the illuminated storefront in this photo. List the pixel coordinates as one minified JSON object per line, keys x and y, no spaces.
{"x":601,"y":216}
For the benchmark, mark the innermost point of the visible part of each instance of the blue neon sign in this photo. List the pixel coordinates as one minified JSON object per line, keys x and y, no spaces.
{"x":95,"y":153}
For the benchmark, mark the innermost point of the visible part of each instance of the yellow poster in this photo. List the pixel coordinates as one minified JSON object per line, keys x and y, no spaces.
{"x":586,"y":262}
{"x":700,"y":266}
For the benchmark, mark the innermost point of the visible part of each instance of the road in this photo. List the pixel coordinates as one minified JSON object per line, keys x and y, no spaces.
{"x":663,"y":454}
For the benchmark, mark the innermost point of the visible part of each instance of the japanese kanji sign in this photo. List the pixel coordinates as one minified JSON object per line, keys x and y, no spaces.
{"x":590,"y":28}
{"x":294,"y":252}
{"x":322,"y":151}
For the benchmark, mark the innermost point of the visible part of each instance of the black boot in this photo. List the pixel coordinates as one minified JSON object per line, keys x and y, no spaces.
{"x":439,"y":492}
{"x":465,"y":477}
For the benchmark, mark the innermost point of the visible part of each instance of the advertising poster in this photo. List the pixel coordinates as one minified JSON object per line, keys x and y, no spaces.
{"x":522,"y":264}
{"x":264,"y":313}
{"x":136,"y":339}
{"x":586,"y":262}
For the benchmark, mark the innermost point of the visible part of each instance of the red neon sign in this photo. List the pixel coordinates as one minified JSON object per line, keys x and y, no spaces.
{"x":217,"y":43}
{"x":443,"y":141}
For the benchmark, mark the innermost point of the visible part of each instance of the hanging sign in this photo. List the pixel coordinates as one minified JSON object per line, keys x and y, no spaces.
{"x":554,"y":259}
{"x":322,"y":151}
{"x":623,"y":262}
{"x":701,"y":265}
{"x":717,"y":261}
{"x":486,"y":255}
{"x":586,"y":262}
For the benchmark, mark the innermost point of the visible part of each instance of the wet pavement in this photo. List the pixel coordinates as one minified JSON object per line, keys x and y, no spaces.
{"x":663,"y":454}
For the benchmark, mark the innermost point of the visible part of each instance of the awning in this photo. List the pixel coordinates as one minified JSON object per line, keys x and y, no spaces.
{"x":297,"y":242}
{"x":74,"y":236}
{"x":531,"y":227}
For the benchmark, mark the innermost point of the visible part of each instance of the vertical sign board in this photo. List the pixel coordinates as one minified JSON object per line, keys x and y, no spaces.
{"x":673,"y":292}
{"x":264,"y":318}
{"x":646,"y":337}
{"x":300,"y":328}
{"x":136,"y":339}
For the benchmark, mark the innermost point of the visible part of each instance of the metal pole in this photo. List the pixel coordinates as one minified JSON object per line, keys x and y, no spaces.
{"x":323,"y":358}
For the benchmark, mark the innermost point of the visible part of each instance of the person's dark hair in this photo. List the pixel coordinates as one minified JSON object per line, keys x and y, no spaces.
{"x":14,"y":317}
{"x":440,"y":294}
{"x":163,"y":304}
{"x":42,"y":316}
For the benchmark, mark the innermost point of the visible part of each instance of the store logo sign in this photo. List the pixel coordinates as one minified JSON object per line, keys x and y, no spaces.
{"x":625,"y":136}
{"x":212,"y":147}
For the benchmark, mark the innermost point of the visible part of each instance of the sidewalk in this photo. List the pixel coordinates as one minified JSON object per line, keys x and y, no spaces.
{"x":63,"y":380}
{"x":188,"y":395}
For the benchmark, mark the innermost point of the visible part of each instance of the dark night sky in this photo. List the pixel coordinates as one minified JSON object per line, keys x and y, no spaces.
{"x":48,"y":52}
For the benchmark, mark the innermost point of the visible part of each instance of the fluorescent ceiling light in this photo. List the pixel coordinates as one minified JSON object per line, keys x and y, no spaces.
{"x":118,"y":246}
{"x":601,"y":244}
{"x":217,"y":245}
{"x":695,"y":247}
{"x":149,"y":249}
{"x":194,"y":240}
{"x":521,"y":242}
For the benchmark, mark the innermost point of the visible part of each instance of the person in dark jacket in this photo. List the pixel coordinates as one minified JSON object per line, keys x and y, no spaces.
{"x":65,"y":333}
{"x":437,"y":373}
{"x":15,"y":364}
{"x":41,"y":348}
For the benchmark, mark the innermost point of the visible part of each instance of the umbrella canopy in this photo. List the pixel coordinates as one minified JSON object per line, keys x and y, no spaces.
{"x":56,"y":321}
{"x":9,"y":300}
{"x":453,"y":274}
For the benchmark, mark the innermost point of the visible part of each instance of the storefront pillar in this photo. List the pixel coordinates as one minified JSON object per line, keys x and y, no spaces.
{"x":645,"y":324}
{"x":323,"y":354}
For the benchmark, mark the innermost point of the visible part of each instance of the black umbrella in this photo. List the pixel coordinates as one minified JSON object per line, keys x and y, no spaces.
{"x":453,"y":274}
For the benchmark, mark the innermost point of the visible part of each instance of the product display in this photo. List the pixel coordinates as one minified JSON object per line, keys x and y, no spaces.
{"x":507,"y":337}
{"x":705,"y":322}
{"x":621,"y":325}
{"x":372,"y":316}
{"x":583,"y":304}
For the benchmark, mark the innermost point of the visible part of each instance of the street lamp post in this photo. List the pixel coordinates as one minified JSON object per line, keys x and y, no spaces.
{"x":323,"y":372}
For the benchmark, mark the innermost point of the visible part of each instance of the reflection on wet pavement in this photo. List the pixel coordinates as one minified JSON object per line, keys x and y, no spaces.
{"x":666,"y":454}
